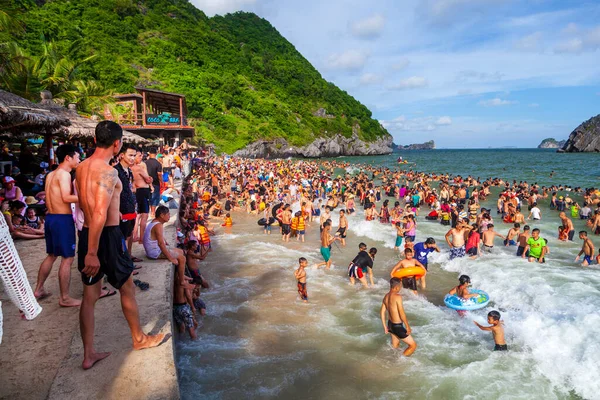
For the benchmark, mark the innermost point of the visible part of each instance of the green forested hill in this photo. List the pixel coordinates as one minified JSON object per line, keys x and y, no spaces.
{"x":243,"y":81}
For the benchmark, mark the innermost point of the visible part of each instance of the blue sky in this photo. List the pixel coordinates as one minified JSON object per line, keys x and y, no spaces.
{"x":465,"y":73}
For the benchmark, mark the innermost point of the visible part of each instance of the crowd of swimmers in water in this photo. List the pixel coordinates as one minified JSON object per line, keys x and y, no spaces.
{"x":220,"y":187}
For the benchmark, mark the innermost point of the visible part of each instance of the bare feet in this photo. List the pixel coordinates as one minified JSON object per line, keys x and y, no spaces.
{"x":42,"y":294}
{"x":93,"y":359}
{"x":149,"y":341}
{"x":69,"y":302}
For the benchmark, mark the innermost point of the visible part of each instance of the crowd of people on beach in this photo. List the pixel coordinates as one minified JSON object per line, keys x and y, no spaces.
{"x":272,"y":189}
{"x":122,"y":195}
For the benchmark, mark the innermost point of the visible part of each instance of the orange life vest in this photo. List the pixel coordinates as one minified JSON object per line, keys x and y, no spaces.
{"x":301,"y":224}
{"x":228,"y":222}
{"x":204,"y":237}
{"x":294,"y":223}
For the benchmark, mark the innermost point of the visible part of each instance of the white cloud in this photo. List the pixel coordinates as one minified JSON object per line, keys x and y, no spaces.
{"x":531,"y":42}
{"x":413,"y":82}
{"x":369,"y":79}
{"x":569,"y":46}
{"x":420,"y":124}
{"x":496,"y":102}
{"x":349,"y":60}
{"x":470,"y":75}
{"x":368,"y":28}
{"x":444,"y":121}
{"x":222,"y":7}
{"x":534,"y":105}
{"x":570,"y":29}
{"x":401,"y":64}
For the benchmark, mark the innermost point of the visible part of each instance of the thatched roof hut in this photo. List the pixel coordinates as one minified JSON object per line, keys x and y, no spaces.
{"x":18,"y":114}
{"x":81,"y":128}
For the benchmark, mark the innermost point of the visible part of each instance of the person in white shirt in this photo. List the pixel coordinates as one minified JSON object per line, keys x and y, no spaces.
{"x":535,"y":212}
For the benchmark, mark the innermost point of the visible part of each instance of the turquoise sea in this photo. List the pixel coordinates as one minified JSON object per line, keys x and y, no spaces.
{"x":259,"y":341}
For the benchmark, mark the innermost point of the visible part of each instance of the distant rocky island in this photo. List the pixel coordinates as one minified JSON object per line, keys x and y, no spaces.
{"x":585,"y":138}
{"x":551,"y":143}
{"x":430,"y":145}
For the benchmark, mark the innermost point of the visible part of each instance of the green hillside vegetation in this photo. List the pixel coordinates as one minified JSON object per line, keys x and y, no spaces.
{"x":243,"y":81}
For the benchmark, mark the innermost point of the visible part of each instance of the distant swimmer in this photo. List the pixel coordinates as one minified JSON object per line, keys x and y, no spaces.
{"x":497,"y":329}
{"x":396,"y":324}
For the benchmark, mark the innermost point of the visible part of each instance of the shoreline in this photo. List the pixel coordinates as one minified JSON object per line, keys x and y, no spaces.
{"x":52,"y":343}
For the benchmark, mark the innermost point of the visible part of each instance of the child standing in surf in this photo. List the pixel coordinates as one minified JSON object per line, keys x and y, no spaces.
{"x":300,"y":275}
{"x":497,"y":329}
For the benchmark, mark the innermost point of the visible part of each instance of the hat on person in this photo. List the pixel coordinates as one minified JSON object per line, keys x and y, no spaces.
{"x":29,"y":200}
{"x":159,"y":156}
{"x":8,"y":179}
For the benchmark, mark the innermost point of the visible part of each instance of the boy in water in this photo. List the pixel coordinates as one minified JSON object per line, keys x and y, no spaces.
{"x":487,"y":238}
{"x":587,"y":249}
{"x":512,"y":233}
{"x":342,"y":228}
{"x":397,"y":324}
{"x":536,"y":246}
{"x":497,"y":328}
{"x":182,"y":308}
{"x":300,"y":275}
{"x":408,"y":262}
{"x":522,"y":241}
{"x":399,"y":235}
{"x":326,"y":242}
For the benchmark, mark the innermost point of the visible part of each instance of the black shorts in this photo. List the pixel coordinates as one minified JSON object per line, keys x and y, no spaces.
{"x":472,"y":251}
{"x":342,"y":232}
{"x":127,"y":227}
{"x":142,"y":195}
{"x":571,"y":234}
{"x":520,"y":250}
{"x":397,"y":329}
{"x":115,"y":262}
{"x":215,"y":190}
{"x":286,"y":229}
{"x":501,"y":347}
{"x":409,"y":283}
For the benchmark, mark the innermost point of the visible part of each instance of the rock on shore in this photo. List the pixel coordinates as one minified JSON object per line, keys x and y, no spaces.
{"x":551,"y":143}
{"x":585,"y":138}
{"x":321,"y":147}
{"x":430,"y":145}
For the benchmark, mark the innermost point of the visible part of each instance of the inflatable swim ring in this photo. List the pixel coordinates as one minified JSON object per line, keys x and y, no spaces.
{"x":417,"y":272}
{"x":263,"y":222}
{"x":474,"y":303}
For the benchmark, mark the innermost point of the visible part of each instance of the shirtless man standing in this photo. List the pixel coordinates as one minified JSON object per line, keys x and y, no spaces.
{"x":102,"y":249}
{"x":60,"y":228}
{"x":457,"y":246}
{"x":326,"y":241}
{"x":286,"y":221}
{"x":397,"y":323}
{"x":568,"y":225}
{"x":141,"y":184}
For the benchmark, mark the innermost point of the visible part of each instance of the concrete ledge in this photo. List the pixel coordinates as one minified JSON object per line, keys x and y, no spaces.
{"x":42,"y":358}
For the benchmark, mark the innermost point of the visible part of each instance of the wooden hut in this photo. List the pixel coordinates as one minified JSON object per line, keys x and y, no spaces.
{"x":20,"y":115}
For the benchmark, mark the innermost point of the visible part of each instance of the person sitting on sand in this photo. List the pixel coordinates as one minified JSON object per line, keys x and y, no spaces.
{"x":155,"y":243}
{"x":16,"y":208}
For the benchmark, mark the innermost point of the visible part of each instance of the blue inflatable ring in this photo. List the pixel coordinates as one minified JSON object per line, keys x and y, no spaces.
{"x":474,"y":303}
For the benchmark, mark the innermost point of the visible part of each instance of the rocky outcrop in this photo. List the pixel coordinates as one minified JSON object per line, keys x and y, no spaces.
{"x":551,"y":143}
{"x":430,"y":145}
{"x":322,"y":113}
{"x":585,"y":138}
{"x":321,"y":147}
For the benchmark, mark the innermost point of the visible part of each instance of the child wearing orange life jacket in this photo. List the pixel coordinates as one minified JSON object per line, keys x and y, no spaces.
{"x":563,"y":234}
{"x":203,"y":237}
{"x":228,"y":221}
{"x":294,"y":225}
{"x":301,"y":225}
